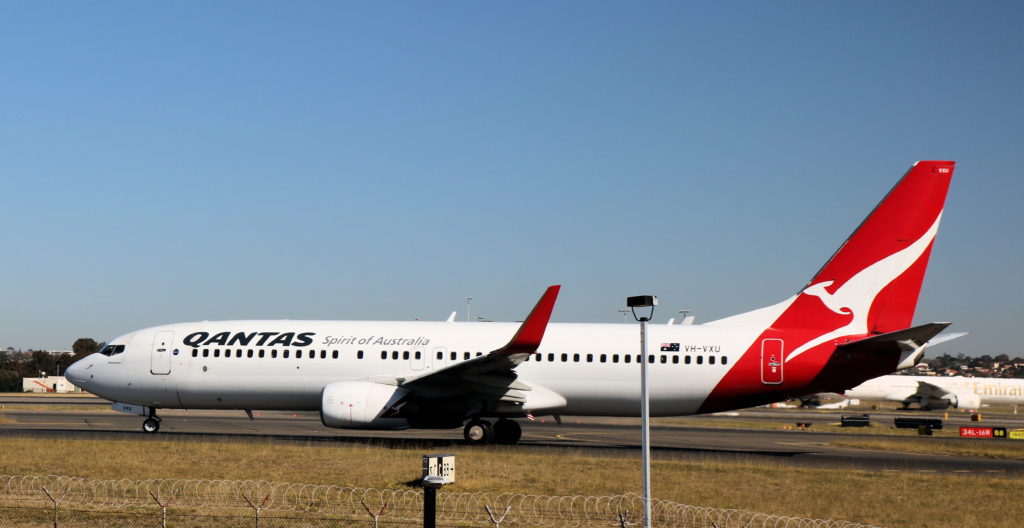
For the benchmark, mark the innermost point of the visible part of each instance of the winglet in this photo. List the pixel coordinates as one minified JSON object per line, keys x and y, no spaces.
{"x":529,"y":335}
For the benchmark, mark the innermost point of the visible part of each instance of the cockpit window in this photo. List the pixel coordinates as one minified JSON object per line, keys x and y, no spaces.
{"x":112,"y":350}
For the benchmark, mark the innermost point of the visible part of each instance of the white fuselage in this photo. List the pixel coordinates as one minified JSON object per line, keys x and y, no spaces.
{"x":592,"y":366}
{"x":901,"y":388}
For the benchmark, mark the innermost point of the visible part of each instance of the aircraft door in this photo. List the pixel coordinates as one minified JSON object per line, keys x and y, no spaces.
{"x":771,"y":361}
{"x":438,"y":358}
{"x":160,"y":358}
{"x":416,"y":360}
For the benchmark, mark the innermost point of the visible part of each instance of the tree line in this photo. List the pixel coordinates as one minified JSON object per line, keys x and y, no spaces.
{"x":14,"y":366}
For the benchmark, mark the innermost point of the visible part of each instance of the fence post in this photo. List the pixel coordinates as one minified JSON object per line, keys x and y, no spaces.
{"x":257,"y":508}
{"x":498,"y":520}
{"x":379,"y":513}
{"x":54,"y":507}
{"x":624,"y":519}
{"x":163,"y":507}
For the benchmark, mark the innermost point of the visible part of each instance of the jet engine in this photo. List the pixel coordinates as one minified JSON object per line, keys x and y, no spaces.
{"x":966,"y":400}
{"x":363,"y":405}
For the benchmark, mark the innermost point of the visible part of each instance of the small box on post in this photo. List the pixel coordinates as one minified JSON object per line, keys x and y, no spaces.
{"x":441,"y":465}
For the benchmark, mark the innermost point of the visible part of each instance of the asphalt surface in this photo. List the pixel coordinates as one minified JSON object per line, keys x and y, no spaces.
{"x":708,"y":437}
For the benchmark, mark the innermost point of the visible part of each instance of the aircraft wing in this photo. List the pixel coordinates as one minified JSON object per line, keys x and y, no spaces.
{"x":928,"y":391}
{"x":493,"y":374}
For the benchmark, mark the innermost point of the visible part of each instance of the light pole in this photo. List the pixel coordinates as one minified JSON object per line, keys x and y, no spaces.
{"x":644,"y":301}
{"x":467,"y":308}
{"x":624,"y":312}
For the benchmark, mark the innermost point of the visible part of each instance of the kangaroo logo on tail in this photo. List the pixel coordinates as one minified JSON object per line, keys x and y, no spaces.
{"x":856,"y":296}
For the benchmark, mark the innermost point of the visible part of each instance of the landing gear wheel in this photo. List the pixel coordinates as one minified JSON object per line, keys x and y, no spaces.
{"x":151,"y":425}
{"x":478,"y":432}
{"x":507,"y":432}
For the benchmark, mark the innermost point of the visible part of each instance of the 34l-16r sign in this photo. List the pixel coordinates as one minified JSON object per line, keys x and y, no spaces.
{"x":983,"y":432}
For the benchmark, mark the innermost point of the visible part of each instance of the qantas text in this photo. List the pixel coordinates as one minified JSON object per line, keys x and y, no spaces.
{"x":300,"y":339}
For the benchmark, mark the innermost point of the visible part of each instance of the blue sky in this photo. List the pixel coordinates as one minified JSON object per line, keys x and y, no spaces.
{"x":326,"y":160}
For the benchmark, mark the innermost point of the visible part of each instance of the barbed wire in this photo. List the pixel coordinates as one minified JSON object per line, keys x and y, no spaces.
{"x":403,"y":504}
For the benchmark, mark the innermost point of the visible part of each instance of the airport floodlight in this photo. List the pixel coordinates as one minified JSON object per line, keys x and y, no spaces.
{"x":434,"y":481}
{"x":644,"y":301}
{"x":431,"y":483}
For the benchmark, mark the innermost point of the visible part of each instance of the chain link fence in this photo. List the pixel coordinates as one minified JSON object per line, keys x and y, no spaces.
{"x":66,"y":502}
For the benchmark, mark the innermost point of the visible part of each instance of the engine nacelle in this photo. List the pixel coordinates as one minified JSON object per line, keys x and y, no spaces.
{"x":966,"y":400}
{"x":363,"y":405}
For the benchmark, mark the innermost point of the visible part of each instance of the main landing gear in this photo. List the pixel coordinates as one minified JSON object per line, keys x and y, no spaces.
{"x":152,"y":424}
{"x":479,"y":432}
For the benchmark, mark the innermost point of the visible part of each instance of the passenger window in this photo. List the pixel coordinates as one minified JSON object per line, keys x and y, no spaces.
{"x":383,"y":354}
{"x":686,"y":360}
{"x":440,"y":355}
{"x":711,"y":360}
{"x":455,"y":355}
{"x":419,"y":354}
{"x":700,"y":360}
{"x":650,"y":358}
{"x":725,"y":360}
{"x":285,"y":354}
{"x":551,"y":357}
{"x":478,"y":354}
{"x":575,"y":358}
{"x":206,"y":352}
{"x":466,"y":356}
{"x":627,"y":357}
{"x":323,"y":354}
{"x":615,"y":358}
{"x":359,"y":354}
{"x":565,"y":357}
{"x":249,"y":353}
{"x":273,"y":354}
{"x":334,"y":354}
{"x":664,"y":359}
{"x":238,"y":353}
{"x":216,"y":352}
{"x":590,"y":358}
{"x":405,"y":355}
{"x":394,"y":354}
{"x":675,"y":360}
{"x":604,"y":358}
{"x":195,"y":352}
{"x":540,"y":357}
{"x":261,"y":353}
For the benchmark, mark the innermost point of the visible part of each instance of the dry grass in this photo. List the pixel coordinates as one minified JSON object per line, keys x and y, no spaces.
{"x":988,"y":448}
{"x":886,"y":499}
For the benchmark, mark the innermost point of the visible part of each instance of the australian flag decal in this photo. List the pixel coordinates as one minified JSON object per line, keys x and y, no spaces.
{"x":670,"y":347}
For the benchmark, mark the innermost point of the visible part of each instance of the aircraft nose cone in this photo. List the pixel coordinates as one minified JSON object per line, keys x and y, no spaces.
{"x":75,"y":373}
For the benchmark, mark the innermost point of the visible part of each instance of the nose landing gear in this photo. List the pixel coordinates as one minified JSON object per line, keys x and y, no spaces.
{"x":152,"y":424}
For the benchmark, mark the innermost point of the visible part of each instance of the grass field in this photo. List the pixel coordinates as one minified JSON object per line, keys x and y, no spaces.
{"x":881,"y":498}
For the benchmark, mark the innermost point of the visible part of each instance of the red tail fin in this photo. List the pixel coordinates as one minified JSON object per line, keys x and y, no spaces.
{"x":876,"y":275}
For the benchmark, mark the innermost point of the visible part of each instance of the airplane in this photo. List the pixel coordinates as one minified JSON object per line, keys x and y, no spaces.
{"x":941,"y":392}
{"x":850,"y":323}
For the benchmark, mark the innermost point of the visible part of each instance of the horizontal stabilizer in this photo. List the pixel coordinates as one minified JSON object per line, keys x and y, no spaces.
{"x":909,"y":343}
{"x":919,"y":335}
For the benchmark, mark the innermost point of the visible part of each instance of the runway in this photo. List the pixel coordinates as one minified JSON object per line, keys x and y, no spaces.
{"x":706,"y":437}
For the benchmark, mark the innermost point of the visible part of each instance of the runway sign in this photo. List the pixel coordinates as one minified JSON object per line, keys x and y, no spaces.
{"x":983,"y":432}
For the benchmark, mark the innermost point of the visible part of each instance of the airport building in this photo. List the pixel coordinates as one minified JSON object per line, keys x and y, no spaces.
{"x":48,"y":384}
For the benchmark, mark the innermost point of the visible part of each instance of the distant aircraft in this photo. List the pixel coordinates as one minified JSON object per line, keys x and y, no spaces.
{"x":848,"y":324}
{"x":941,"y":392}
